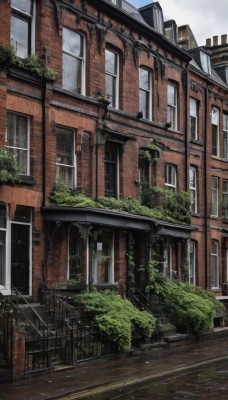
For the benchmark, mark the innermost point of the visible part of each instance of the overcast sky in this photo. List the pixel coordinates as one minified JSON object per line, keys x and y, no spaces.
{"x":206,"y":18}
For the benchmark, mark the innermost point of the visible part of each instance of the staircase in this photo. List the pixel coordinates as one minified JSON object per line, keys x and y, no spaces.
{"x":166,"y":331}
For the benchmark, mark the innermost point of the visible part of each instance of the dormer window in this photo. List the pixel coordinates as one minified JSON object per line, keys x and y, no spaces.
{"x":152,"y":14}
{"x":205,"y":62}
{"x":158,"y":20}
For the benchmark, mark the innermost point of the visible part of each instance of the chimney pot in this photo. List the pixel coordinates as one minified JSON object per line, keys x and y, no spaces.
{"x":215,"y":40}
{"x":224,"y":39}
{"x":208,"y":42}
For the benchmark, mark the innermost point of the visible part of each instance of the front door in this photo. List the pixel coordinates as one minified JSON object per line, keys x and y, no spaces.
{"x":20,"y":257}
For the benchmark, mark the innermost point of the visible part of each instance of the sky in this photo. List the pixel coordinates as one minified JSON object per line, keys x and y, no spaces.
{"x":206,"y":18}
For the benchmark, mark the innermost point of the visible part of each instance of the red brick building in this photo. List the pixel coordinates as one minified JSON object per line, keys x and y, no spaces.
{"x":64,"y":129}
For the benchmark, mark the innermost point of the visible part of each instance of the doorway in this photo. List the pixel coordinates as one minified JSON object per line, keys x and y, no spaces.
{"x":20,"y":250}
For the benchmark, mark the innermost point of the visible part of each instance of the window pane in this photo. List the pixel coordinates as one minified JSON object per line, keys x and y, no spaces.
{"x":65,"y":146}
{"x":110,"y":88}
{"x":65,"y":158}
{"x":20,"y":36}
{"x":171,"y":95}
{"x":111,"y":169}
{"x":102,"y":264}
{"x":71,"y":73}
{"x":65,"y":174}
{"x":110,"y":62}
{"x":22,"y":5}
{"x":193,"y":107}
{"x":144,"y":81}
{"x":72,"y":42}
{"x":144,"y":103}
{"x":17,"y":140}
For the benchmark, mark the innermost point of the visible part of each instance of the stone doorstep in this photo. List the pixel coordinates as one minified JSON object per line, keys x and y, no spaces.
{"x":179,"y":340}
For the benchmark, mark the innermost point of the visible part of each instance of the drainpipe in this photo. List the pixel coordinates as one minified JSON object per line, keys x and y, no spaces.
{"x":186,"y":130}
{"x":43,"y":172}
{"x":205,"y":185}
{"x":44,"y":143}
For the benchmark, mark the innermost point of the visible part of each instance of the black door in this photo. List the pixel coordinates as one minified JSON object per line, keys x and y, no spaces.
{"x":20,"y":257}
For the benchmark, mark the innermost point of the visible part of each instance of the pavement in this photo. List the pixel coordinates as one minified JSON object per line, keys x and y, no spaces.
{"x":86,"y":380}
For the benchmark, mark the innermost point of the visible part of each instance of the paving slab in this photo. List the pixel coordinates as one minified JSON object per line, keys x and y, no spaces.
{"x":88,"y":379}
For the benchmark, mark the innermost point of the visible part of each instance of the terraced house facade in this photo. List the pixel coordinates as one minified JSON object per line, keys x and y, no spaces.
{"x":115,"y":108}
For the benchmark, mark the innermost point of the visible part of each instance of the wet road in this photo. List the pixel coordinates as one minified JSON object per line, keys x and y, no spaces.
{"x":207,"y":382}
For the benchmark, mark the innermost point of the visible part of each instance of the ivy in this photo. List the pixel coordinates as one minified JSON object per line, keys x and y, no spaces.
{"x":32,"y":64}
{"x":116,"y":316}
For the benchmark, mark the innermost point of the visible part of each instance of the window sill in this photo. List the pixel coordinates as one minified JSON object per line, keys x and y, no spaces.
{"x":102,"y":286}
{"x":27,"y":179}
{"x":194,"y":141}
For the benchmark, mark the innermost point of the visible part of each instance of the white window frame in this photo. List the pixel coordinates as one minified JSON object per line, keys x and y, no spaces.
{"x":225,"y":137}
{"x":15,"y":149}
{"x":215,"y":132}
{"x":98,"y":256}
{"x":215,"y":264}
{"x":73,"y":166}
{"x":168,"y":261}
{"x":77,"y":57}
{"x":114,"y":76}
{"x":172,"y":109}
{"x":192,"y":262}
{"x":194,"y":119}
{"x":171,"y":177}
{"x":193,"y":188}
{"x":205,"y":62}
{"x":215,"y":196}
{"x":147,"y":91}
{"x":30,"y":19}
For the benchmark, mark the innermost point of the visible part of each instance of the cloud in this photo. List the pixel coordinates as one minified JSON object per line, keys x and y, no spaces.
{"x":205,"y":18}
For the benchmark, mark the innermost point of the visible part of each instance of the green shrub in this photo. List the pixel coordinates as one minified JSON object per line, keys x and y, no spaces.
{"x":32,"y":64}
{"x":9,"y":171}
{"x":62,"y":195}
{"x":116,"y":316}
{"x":187,"y":304}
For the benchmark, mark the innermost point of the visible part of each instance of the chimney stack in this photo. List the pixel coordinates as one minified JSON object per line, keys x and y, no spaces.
{"x":208,"y":42}
{"x":215,"y":40}
{"x":224,"y":39}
